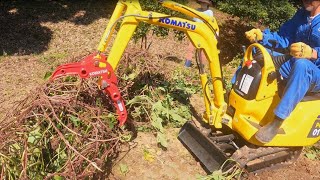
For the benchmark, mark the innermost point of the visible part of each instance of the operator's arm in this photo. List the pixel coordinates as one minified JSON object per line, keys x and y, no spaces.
{"x":287,"y":32}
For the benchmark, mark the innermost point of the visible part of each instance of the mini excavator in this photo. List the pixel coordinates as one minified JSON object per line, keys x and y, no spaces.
{"x":232,"y":124}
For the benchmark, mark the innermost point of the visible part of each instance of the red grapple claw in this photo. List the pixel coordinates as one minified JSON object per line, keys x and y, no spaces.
{"x":89,"y":67}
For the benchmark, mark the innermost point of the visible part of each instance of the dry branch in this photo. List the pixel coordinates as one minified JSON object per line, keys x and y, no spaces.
{"x":64,"y":129}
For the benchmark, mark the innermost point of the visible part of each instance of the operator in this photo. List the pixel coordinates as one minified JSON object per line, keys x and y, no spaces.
{"x":302,"y":35}
{"x":205,"y":4}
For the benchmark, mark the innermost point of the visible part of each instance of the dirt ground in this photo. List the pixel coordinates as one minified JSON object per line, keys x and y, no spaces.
{"x":177,"y":163}
{"x":38,"y":36}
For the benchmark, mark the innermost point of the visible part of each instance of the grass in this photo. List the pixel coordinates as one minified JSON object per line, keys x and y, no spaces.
{"x":52,"y":57}
{"x":312,"y":152}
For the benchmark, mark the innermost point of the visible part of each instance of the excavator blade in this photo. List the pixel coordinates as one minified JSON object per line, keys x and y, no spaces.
{"x":209,"y":155}
{"x":215,"y":148}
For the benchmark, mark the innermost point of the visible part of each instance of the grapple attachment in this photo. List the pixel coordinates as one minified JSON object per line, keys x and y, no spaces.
{"x":92,"y":66}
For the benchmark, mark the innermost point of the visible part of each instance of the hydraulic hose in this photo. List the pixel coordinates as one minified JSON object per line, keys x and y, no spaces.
{"x":279,"y":60}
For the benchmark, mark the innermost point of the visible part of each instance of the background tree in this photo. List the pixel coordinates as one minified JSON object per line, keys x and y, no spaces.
{"x":155,"y":6}
{"x":271,"y":13}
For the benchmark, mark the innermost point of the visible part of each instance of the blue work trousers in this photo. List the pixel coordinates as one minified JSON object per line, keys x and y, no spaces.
{"x":302,"y":76}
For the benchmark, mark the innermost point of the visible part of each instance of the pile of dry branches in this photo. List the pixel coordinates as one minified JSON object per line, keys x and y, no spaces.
{"x":64,"y":129}
{"x":67,"y":128}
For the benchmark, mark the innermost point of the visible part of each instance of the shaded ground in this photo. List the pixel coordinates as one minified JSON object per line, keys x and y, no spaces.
{"x":23,"y":25}
{"x":38,"y":36}
{"x":75,"y":30}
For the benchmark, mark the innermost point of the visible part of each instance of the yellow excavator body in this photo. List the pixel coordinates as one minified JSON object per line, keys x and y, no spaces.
{"x":233,"y":122}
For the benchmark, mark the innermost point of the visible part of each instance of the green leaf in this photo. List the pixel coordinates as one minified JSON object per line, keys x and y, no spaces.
{"x":144,"y":129}
{"x":56,"y":177}
{"x":75,"y":120}
{"x":137,"y":112}
{"x":112,"y":120}
{"x":124,"y":169}
{"x":71,"y":79}
{"x":132,"y":76}
{"x":162,"y":89}
{"x":61,"y":154}
{"x":126,"y":138}
{"x":34,"y":136}
{"x":158,"y":107}
{"x":216,"y":175}
{"x":156,"y":122}
{"x":36,"y":150}
{"x":139,"y":99}
{"x":311,"y":156}
{"x":176,"y":117}
{"x":162,"y":139}
{"x":15,"y":147}
{"x":47,"y":75}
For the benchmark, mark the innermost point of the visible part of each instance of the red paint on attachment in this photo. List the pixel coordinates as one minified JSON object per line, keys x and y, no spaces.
{"x":87,"y":68}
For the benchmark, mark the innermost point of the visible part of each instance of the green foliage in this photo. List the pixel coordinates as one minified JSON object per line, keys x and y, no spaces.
{"x":160,"y":112}
{"x":155,"y":6}
{"x":165,"y":105}
{"x":232,"y":173}
{"x":229,"y":70}
{"x":51,"y":58}
{"x":312,"y":153}
{"x":271,"y":13}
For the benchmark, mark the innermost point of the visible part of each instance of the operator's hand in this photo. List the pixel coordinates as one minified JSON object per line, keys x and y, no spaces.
{"x":301,"y":50}
{"x":254,"y":35}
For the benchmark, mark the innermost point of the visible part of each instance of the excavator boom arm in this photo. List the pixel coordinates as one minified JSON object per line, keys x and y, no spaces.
{"x":203,"y":35}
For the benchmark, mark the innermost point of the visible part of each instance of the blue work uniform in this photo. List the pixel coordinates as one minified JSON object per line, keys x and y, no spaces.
{"x":302,"y":75}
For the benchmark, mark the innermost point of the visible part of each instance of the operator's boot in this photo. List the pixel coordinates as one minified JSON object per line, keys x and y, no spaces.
{"x":269,"y":131}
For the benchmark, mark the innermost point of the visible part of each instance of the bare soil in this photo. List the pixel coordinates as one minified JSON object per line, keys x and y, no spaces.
{"x":38,"y":36}
{"x":174,"y":163}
